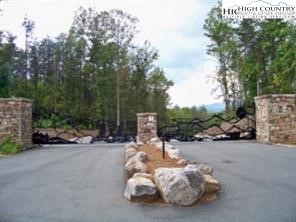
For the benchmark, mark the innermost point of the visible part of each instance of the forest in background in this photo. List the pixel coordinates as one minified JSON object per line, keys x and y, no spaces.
{"x":92,"y":77}
{"x":255,"y":57}
{"x":95,"y":73}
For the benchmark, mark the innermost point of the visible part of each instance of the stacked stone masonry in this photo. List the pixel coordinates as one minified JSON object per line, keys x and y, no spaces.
{"x":147,"y":126}
{"x":276,"y":119}
{"x":16,"y":120}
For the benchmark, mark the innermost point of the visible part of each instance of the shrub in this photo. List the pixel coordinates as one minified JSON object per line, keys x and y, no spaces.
{"x":7,"y":146}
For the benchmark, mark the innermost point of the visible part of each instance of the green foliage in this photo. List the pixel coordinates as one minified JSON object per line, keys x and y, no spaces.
{"x":53,"y":122}
{"x":6,"y":57}
{"x":187,"y":115}
{"x":7,"y":146}
{"x":253,"y":56}
{"x":92,"y":73}
{"x":4,"y":82}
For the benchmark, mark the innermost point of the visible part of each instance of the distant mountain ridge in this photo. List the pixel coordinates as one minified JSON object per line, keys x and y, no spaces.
{"x":215,"y":107}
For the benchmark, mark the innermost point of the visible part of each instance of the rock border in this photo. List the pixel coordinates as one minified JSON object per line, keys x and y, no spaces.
{"x":182,"y":186}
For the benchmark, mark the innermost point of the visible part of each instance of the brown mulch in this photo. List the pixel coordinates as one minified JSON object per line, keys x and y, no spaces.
{"x":155,"y":159}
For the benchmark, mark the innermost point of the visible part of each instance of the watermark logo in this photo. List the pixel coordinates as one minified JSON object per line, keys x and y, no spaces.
{"x":259,"y":9}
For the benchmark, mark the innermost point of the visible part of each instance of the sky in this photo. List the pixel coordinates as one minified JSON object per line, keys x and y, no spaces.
{"x":173,"y":27}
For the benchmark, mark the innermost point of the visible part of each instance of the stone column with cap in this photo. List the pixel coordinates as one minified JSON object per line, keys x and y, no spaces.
{"x":16,"y":120}
{"x":276,"y":118}
{"x":147,"y":127}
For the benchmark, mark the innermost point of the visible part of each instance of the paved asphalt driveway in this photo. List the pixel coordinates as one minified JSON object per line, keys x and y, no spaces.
{"x":85,"y":184}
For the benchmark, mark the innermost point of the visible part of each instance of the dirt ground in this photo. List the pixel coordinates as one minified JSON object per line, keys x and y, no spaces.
{"x":155,"y":159}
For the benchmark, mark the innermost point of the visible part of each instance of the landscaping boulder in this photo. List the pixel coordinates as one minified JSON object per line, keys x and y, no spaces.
{"x":131,"y":145}
{"x":155,"y":140}
{"x":144,"y":175}
{"x":158,"y":144}
{"x":74,"y":139}
{"x":212,"y":185}
{"x":139,"y":143}
{"x":136,"y":164}
{"x":130,"y":152}
{"x":191,"y":162}
{"x":170,"y":146}
{"x":140,"y":188}
{"x":82,"y":140}
{"x":173,"y":153}
{"x":205,"y":168}
{"x":182,"y":162}
{"x":170,"y":149}
{"x":86,"y":140}
{"x":180,"y":186}
{"x":141,"y":156}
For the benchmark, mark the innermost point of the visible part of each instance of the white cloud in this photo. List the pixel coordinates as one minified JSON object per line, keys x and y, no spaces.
{"x":158,"y":19}
{"x":197,"y":88}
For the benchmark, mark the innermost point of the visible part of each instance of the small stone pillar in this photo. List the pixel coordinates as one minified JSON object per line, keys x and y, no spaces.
{"x":276,"y":118}
{"x":147,"y":126}
{"x":16,"y":120}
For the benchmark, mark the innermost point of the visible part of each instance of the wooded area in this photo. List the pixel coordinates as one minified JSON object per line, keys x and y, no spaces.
{"x":255,"y":57}
{"x":96,"y":73}
{"x":92,"y":73}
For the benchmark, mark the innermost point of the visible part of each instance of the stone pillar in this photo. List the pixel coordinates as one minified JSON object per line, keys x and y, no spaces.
{"x":147,"y":126}
{"x":276,"y":118}
{"x":16,"y":120}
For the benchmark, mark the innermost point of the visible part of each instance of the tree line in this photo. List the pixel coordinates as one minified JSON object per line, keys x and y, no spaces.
{"x":254,"y":57}
{"x":94,"y":73}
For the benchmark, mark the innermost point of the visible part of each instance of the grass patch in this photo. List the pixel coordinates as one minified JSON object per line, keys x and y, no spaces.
{"x":7,"y":146}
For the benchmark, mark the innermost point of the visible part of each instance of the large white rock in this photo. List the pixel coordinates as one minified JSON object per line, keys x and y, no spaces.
{"x":174,"y":154}
{"x":130,"y":152}
{"x":141,"y":156}
{"x":86,"y":139}
{"x":131,"y":145}
{"x":136,"y":164}
{"x":170,"y":149}
{"x":139,"y":143}
{"x":144,"y":175}
{"x":74,"y":139}
{"x":140,"y":189}
{"x":212,"y":185}
{"x":205,"y":168}
{"x":182,"y":162}
{"x":158,"y":144}
{"x":155,"y":140}
{"x":180,"y":186}
{"x":169,"y":146}
{"x":82,"y":140}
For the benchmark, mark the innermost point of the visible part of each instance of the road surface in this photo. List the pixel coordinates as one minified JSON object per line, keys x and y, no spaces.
{"x":84,"y":183}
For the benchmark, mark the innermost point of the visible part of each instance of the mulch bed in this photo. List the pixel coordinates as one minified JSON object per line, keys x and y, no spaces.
{"x":155,"y":159}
